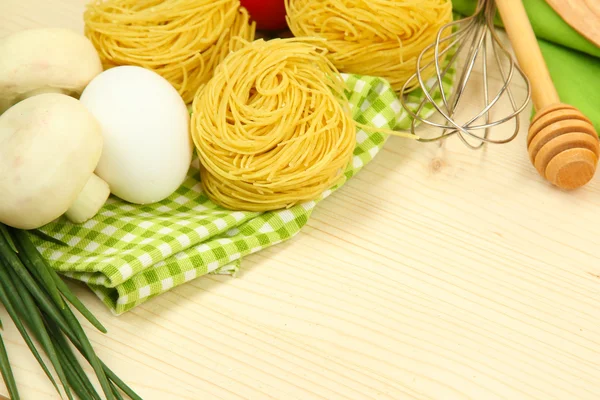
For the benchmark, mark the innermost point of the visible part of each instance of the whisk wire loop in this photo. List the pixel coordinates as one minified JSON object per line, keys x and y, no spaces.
{"x":471,"y":35}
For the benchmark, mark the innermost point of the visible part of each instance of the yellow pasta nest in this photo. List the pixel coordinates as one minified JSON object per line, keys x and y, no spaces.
{"x":181,"y":40}
{"x":372,"y":37}
{"x":272,"y":127}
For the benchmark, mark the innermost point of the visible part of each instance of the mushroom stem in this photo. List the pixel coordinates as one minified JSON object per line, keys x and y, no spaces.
{"x":90,"y":200}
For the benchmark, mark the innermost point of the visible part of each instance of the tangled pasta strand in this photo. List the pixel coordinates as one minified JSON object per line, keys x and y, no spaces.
{"x":272,"y":127}
{"x":181,"y":40}
{"x":372,"y":37}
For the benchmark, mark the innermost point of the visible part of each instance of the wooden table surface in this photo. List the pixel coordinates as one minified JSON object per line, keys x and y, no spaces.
{"x":469,"y":278}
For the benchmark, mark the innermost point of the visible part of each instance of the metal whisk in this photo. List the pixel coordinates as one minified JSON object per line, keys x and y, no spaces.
{"x":475,"y":36}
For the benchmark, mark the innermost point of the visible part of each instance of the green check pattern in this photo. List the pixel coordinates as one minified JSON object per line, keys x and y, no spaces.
{"x":128,"y":254}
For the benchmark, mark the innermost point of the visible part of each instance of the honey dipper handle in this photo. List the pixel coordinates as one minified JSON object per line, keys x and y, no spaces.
{"x":527,"y":50}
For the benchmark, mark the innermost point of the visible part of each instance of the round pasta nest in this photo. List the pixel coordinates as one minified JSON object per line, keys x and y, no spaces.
{"x":380,"y":38}
{"x":272,"y":127}
{"x":181,"y":40}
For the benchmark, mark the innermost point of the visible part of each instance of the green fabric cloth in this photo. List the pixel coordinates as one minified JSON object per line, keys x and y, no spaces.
{"x":573,"y":61}
{"x":128,"y":254}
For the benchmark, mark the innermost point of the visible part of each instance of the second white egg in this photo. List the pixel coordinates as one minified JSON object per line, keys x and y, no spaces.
{"x":145,"y":123}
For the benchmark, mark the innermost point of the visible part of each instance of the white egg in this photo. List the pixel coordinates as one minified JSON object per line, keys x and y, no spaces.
{"x":145,"y":123}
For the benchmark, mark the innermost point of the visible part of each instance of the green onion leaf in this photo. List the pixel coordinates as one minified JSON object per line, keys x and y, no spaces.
{"x":79,"y":306}
{"x":71,"y":364}
{"x":88,"y":351}
{"x":109,"y":373}
{"x":34,"y":254}
{"x":74,"y":380}
{"x":9,"y":378}
{"x":4,"y":231}
{"x":29,"y":257}
{"x":40,"y":296}
{"x":70,"y":327}
{"x":33,"y":317}
{"x":47,"y":237}
{"x":8,"y":297}
{"x":126,"y":389}
{"x":116,"y":391}
{"x":22,"y":270}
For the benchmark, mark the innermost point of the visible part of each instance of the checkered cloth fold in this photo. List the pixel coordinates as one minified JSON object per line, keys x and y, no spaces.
{"x":128,"y":254}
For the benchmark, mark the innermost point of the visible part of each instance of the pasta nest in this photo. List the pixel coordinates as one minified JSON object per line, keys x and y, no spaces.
{"x":380,"y":38}
{"x":272,"y":127}
{"x":181,"y":40}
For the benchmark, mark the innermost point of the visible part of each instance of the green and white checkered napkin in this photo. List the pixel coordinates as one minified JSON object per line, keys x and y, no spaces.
{"x":128,"y":254}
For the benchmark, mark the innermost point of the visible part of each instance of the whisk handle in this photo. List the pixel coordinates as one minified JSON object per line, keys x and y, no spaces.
{"x":527,"y":50}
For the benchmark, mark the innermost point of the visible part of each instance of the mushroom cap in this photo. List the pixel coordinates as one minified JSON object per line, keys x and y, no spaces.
{"x":45,"y":60}
{"x":50,"y":145}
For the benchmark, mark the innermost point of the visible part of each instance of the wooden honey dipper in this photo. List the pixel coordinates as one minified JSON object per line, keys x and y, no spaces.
{"x":563,"y":145}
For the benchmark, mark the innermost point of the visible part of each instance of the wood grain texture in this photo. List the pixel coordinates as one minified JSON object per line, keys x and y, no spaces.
{"x":563,"y":146}
{"x":469,"y":278}
{"x":582,"y":15}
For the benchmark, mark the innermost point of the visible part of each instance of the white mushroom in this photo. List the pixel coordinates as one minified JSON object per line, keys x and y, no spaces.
{"x":45,"y":60}
{"x":50,"y":145}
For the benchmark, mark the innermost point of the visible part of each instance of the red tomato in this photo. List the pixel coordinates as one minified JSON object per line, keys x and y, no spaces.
{"x":268,"y":14}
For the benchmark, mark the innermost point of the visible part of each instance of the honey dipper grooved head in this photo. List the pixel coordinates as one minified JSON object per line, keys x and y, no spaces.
{"x":563,"y":146}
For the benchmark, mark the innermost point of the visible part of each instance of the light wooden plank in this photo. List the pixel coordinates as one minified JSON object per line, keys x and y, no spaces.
{"x":436,"y":273}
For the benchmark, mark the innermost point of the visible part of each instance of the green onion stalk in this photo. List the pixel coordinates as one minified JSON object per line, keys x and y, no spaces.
{"x":41,"y":305}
